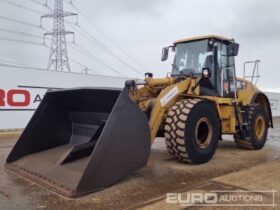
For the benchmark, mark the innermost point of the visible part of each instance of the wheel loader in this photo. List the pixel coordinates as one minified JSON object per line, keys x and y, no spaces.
{"x":83,"y":140}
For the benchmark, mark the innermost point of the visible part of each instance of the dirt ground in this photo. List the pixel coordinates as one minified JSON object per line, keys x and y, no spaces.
{"x":230,"y":169}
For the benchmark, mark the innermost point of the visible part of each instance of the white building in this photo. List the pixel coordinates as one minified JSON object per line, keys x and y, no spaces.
{"x":21,"y":85}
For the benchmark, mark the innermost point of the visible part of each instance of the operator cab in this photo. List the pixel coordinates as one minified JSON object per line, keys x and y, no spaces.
{"x":210,"y":58}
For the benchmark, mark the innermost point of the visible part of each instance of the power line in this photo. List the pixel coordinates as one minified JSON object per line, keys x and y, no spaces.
{"x":20,"y":33}
{"x":31,"y":35}
{"x":85,"y":34}
{"x":84,"y":66}
{"x":110,"y":52}
{"x":21,"y":41}
{"x":87,"y":53}
{"x":21,"y":67}
{"x":26,"y":34}
{"x":35,"y":68}
{"x":103,"y":47}
{"x":21,"y":6}
{"x":91,"y":39}
{"x":39,"y":3}
{"x":106,"y":49}
{"x":21,"y":22}
{"x":84,"y":52}
{"x":27,"y":42}
{"x":107,"y":36}
{"x":11,"y":62}
{"x":24,"y":67}
{"x":40,"y":44}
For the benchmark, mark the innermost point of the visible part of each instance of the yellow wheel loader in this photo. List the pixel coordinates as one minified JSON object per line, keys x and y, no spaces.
{"x":83,"y":140}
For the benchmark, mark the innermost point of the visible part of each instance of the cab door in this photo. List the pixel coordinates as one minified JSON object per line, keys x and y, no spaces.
{"x":226,"y":67}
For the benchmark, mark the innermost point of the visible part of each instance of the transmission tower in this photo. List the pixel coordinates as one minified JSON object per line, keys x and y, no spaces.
{"x":58,"y":58}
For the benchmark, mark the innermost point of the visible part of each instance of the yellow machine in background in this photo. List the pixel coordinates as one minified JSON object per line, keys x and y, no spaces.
{"x":82,"y":140}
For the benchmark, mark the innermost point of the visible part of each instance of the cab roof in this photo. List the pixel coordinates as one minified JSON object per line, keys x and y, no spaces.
{"x":196,"y":38}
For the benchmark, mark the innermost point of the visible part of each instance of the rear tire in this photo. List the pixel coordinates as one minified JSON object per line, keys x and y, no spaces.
{"x":258,"y":126}
{"x":192,"y":130}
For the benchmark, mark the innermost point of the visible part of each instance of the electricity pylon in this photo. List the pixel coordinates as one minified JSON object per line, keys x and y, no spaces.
{"x":58,"y":58}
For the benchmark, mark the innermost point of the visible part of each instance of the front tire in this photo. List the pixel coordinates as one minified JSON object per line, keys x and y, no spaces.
{"x":192,"y":130}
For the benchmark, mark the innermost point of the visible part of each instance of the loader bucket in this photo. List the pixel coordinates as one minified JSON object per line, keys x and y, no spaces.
{"x":82,"y":140}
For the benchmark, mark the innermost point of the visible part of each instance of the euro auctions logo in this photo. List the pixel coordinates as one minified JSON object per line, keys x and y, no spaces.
{"x":21,"y":98}
{"x":234,"y":198}
{"x":10,"y":98}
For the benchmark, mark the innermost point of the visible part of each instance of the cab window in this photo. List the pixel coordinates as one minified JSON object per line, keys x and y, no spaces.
{"x":226,"y":67}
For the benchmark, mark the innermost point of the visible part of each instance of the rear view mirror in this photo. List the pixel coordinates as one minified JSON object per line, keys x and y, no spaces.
{"x":233,"y":49}
{"x":164,"y":55}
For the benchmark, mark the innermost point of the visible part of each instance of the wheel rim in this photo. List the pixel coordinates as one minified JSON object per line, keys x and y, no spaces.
{"x":260,"y":127}
{"x":203,"y":133}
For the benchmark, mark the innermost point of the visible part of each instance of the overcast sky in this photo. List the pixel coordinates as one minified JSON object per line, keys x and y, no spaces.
{"x":142,"y":27}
